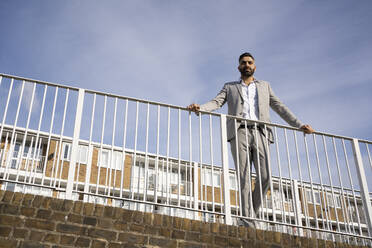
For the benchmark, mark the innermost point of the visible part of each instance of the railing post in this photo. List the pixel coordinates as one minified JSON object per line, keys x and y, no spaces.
{"x":225,"y":171}
{"x":363,"y":184}
{"x":297,"y":207}
{"x":75,"y":144}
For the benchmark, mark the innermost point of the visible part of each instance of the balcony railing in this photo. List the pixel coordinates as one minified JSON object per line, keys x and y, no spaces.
{"x":92,"y":146}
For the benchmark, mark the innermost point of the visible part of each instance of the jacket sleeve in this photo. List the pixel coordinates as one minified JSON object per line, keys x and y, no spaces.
{"x":216,"y":102}
{"x":282,"y":110}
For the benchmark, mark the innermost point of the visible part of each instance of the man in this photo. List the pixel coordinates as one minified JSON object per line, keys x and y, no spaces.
{"x":250,"y":99}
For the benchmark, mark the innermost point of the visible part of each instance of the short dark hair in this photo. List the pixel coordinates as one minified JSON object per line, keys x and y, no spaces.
{"x":245,"y":55}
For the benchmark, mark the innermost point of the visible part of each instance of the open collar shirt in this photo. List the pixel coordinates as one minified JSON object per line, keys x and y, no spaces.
{"x":250,"y":107}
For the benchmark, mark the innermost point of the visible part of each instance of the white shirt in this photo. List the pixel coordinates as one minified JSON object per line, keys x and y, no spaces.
{"x":250,"y":107}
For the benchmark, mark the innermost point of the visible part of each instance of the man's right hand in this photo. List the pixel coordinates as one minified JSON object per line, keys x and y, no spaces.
{"x":194,"y":107}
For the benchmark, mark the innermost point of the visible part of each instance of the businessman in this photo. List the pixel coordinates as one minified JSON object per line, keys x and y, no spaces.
{"x":251,"y":99}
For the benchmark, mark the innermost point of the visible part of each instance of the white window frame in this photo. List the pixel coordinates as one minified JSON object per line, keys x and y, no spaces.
{"x":83,"y":155}
{"x":101,"y":162}
{"x":68,"y":145}
{"x":233,"y":182}
{"x":309,"y":196}
{"x":330,"y":200}
{"x":117,"y":160}
{"x":208,"y":176}
{"x":35,"y":152}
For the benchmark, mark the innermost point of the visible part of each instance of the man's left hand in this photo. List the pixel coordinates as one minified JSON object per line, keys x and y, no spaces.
{"x":307,"y":129}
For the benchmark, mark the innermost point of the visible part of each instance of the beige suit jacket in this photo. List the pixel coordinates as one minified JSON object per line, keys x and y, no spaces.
{"x":232,"y":94}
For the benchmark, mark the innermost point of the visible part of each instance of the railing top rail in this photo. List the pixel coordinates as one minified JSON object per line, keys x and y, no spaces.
{"x":38,"y":81}
{"x":178,"y":107}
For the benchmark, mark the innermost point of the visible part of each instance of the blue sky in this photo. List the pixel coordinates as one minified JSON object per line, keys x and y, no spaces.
{"x":316,"y":54}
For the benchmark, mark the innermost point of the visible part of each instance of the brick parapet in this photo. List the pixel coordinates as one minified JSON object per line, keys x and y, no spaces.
{"x":37,"y":221}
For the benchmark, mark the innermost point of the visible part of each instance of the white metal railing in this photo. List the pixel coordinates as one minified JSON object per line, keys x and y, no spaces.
{"x":150,"y":156}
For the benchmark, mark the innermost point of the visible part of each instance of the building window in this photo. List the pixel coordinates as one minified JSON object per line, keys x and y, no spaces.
{"x":83,"y":154}
{"x":113,"y":162}
{"x":15,"y":155}
{"x":32,"y":152}
{"x":233,"y":185}
{"x":309,"y":196}
{"x":103,"y":159}
{"x":332,"y":201}
{"x":208,"y":178}
{"x":66,"y":151}
{"x":118,"y":160}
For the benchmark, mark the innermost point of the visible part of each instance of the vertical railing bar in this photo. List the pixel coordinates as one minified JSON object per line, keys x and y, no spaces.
{"x":27,"y":164}
{"x":167,"y":159}
{"x":38,"y":131}
{"x":32,"y":173}
{"x":332,"y":190}
{"x":324,"y":192}
{"x":157,"y":154}
{"x":239,"y":204}
{"x":341,"y":184}
{"x":87,"y":187}
{"x":221,"y":180}
{"x":162,"y":180}
{"x":37,"y":147}
{"x":250,"y":173}
{"x":114,"y":158}
{"x":6,"y":108}
{"x":302,"y":183}
{"x":352,"y":188}
{"x":139,"y":181}
{"x":225,"y":169}
{"x":261,"y":214}
{"x":124,"y":144}
{"x":311,"y":182}
{"x":354,"y":197}
{"x":57,"y":156}
{"x":369,"y":155}
{"x":196,"y":190}
{"x":146,"y":153}
{"x":21,"y":149}
{"x":330,"y":179}
{"x":201,"y":162}
{"x":78,"y":169}
{"x":280,"y":175}
{"x":49,"y":139}
{"x":108,"y":167}
{"x":15,"y":124}
{"x":179,"y":157}
{"x":60,"y":145}
{"x":237,"y":195}
{"x":9,"y":160}
{"x":291,"y":182}
{"x":363,"y":184}
{"x":62,"y":132}
{"x":5,"y":154}
{"x":212,"y":162}
{"x":190,"y":157}
{"x":75,"y":144}
{"x":270,"y":174}
{"x":101,"y":143}
{"x":135,"y":152}
{"x":14,"y":127}
{"x":38,"y":155}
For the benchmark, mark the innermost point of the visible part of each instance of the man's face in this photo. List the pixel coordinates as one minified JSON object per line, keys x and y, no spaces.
{"x":247,"y":66}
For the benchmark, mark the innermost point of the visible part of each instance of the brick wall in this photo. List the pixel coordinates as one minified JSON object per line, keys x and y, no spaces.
{"x":36,"y":221}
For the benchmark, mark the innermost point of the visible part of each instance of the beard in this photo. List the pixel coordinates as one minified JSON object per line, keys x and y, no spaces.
{"x":247,"y":72}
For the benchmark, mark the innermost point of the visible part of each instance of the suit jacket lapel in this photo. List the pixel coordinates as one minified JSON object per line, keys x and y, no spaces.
{"x":259,"y":96}
{"x":239,"y":87}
